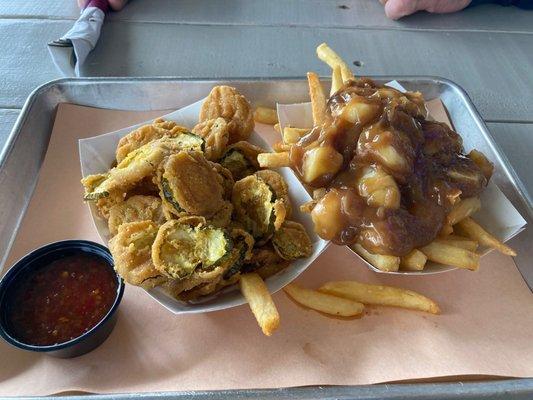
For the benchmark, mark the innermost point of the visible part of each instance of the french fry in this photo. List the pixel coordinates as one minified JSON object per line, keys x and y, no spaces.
{"x":277,"y":127}
{"x":293,"y":135}
{"x":318,"y":98}
{"x":443,"y":253}
{"x":482,"y":162}
{"x":307,"y":207}
{"x":256,"y":293}
{"x":381,"y":262}
{"x":380,"y":295}
{"x":462,"y":242}
{"x":462,"y":209}
{"x":323,"y":302}
{"x":326,"y":54}
{"x":279,"y":147}
{"x":472,"y":229}
{"x":274,"y":160}
{"x":336,"y":80}
{"x":265,"y":115}
{"x":414,"y":261}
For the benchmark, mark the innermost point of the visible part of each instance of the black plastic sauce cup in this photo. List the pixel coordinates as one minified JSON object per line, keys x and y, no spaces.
{"x":43,"y":256}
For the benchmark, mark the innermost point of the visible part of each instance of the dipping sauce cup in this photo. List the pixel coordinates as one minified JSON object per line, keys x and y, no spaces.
{"x":60,"y":299}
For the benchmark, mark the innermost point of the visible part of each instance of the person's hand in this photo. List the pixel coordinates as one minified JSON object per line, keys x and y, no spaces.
{"x":115,"y":5}
{"x":395,"y":9}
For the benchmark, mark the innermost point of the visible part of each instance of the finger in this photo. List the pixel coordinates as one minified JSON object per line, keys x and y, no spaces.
{"x":396,"y":9}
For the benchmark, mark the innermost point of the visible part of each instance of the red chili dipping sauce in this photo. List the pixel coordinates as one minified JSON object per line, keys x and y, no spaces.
{"x":61,"y":300}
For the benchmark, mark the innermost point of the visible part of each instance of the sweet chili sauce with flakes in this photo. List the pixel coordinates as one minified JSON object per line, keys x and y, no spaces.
{"x":61,"y":300}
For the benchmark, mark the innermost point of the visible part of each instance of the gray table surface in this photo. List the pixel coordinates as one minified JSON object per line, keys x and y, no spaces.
{"x":488,"y":50}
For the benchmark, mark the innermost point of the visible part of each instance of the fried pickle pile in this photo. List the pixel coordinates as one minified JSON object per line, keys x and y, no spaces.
{"x":190,"y":210}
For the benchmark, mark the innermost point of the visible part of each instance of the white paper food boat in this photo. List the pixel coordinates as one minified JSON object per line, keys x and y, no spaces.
{"x":497,"y":214}
{"x":98,"y":153}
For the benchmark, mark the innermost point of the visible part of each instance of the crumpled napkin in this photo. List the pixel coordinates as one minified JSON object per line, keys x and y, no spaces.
{"x":71,"y":50}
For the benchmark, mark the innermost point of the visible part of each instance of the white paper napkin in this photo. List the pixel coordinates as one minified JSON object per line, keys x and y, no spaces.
{"x":84,"y":35}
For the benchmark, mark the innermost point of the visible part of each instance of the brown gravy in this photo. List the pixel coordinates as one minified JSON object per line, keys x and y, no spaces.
{"x":391,"y":176}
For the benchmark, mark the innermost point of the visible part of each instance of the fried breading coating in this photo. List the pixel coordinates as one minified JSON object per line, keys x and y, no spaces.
{"x":207,"y":288}
{"x":226,"y":102}
{"x":165,"y":124}
{"x":226,"y":179}
{"x":279,"y":186}
{"x":190,"y":184}
{"x":202,"y":283}
{"x":241,"y":159}
{"x":145,"y":187}
{"x":291,"y":241}
{"x":135,"y":208}
{"x":243,"y":244}
{"x":137,"y":165}
{"x":145,"y":134}
{"x":176,"y":287}
{"x":265,"y":262}
{"x":180,"y":248}
{"x":216,"y":135}
{"x":131,"y":250}
{"x":104,"y":204}
{"x":222,"y":217}
{"x":257,"y":207}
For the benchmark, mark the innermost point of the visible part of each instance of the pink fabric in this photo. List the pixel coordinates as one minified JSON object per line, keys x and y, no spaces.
{"x":101,"y":4}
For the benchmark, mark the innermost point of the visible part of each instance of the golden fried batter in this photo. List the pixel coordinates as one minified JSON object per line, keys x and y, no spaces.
{"x":137,"y":165}
{"x":256,"y":207}
{"x":241,"y":159}
{"x":145,"y":187}
{"x":145,"y":134}
{"x":216,"y":135}
{"x":207,"y":288}
{"x":291,"y":241}
{"x":202,"y":282}
{"x":226,"y":179}
{"x":179,"y":248}
{"x":105,"y":204}
{"x":276,"y":182}
{"x":165,"y":124}
{"x":226,"y":102}
{"x":222,"y":217}
{"x":136,"y":208}
{"x":131,"y":250}
{"x":265,"y":262}
{"x":176,"y":287}
{"x":192,"y":183}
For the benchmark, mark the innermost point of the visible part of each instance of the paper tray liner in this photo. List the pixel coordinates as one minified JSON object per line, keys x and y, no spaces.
{"x":484,"y":329}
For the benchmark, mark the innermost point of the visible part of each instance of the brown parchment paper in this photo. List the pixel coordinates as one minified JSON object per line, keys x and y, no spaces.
{"x":485,"y":328}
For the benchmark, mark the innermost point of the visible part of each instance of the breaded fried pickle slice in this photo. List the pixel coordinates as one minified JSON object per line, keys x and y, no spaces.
{"x":145,"y":134}
{"x":291,"y":241}
{"x":265,"y":261}
{"x":180,"y":248}
{"x":137,"y":165}
{"x":215,"y":132}
{"x":104,"y":204}
{"x":190,"y":184}
{"x":256,"y":207}
{"x":203,"y":282}
{"x":279,"y":186}
{"x":227,"y":103}
{"x":226,"y":179}
{"x":136,"y":208}
{"x":241,"y":159}
{"x":131,"y":249}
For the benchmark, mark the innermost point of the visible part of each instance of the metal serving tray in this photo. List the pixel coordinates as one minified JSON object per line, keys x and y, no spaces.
{"x":23,"y":154}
